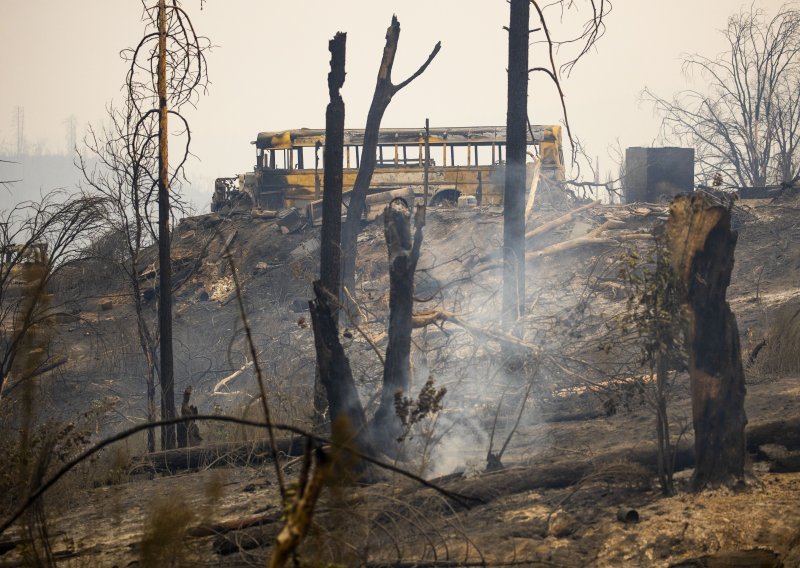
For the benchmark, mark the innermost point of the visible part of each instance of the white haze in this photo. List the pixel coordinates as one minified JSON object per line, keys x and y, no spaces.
{"x":268,"y":71}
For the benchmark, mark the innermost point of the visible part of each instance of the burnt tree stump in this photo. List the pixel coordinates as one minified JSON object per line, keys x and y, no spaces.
{"x":701,"y":245}
{"x":403,"y":258}
{"x":330,"y":267}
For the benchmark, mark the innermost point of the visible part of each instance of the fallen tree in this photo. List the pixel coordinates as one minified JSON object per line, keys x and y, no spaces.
{"x":540,"y":230}
{"x":230,"y":453}
{"x":638,"y":462}
{"x":564,"y":246}
{"x":559,"y":221}
{"x":438,"y":317}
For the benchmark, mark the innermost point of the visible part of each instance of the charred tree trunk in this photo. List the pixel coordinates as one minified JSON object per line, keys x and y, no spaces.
{"x":403,"y":257}
{"x":146,"y":342}
{"x":330,"y":267}
{"x":514,"y":192}
{"x":384,"y":91}
{"x":330,"y":264}
{"x":335,"y":374}
{"x":164,"y":267}
{"x":701,"y":244}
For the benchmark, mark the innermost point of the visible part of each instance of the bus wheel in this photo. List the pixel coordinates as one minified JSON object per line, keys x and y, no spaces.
{"x":446,"y":197}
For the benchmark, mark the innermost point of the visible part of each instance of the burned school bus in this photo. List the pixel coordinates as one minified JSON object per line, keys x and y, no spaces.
{"x":464,"y":161}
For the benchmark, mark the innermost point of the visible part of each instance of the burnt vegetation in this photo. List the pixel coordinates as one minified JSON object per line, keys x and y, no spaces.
{"x":552,"y":378}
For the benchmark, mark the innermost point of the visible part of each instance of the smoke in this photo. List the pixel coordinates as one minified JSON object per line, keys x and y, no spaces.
{"x":461,"y":448}
{"x":481,"y":393}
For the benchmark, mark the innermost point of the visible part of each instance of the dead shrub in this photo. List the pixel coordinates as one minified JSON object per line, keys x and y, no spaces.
{"x":163,"y":542}
{"x":780,"y":355}
{"x":46,"y":447}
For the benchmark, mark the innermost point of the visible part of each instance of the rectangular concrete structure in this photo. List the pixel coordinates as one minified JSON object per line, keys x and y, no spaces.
{"x":657,"y":174}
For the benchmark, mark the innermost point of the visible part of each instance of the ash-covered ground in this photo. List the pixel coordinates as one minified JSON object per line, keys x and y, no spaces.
{"x":564,"y":420}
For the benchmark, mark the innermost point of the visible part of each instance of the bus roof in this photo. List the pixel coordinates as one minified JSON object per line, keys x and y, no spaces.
{"x":303,"y":137}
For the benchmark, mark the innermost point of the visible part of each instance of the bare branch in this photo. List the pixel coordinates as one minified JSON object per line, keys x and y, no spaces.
{"x":422,"y":68}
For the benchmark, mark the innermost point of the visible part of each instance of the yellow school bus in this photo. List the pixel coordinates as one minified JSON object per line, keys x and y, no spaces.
{"x":463,"y":161}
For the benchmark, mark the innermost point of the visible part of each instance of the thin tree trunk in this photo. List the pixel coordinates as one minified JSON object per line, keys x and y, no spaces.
{"x":151,"y":402}
{"x":330,"y":265}
{"x":146,"y":342}
{"x":514,"y":192}
{"x":146,"y":345}
{"x":662,"y":428}
{"x":403,"y":257}
{"x":701,"y":244}
{"x":164,"y":267}
{"x":384,"y":91}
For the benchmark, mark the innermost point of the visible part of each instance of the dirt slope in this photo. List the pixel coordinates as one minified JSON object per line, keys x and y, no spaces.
{"x":571,"y":294}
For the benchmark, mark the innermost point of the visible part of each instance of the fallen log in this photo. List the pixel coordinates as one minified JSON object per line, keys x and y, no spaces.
{"x":559,"y":221}
{"x":561,"y":474}
{"x":563,"y":246}
{"x":12,"y":543}
{"x":542,"y":229}
{"x":761,"y":557}
{"x":566,"y":473}
{"x":246,"y":539}
{"x":208,"y":529}
{"x":436,"y":317}
{"x":609,"y":224}
{"x":634,"y":237}
{"x":786,"y":464}
{"x":569,"y":245}
{"x":784,"y":433}
{"x":225,"y":380}
{"x":233,"y":453}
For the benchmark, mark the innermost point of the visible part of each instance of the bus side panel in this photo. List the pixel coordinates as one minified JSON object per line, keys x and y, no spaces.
{"x":297,"y":188}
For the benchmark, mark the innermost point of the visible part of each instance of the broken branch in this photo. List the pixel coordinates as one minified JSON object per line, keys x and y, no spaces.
{"x":434,"y":317}
{"x":421,"y":70}
{"x":559,"y":221}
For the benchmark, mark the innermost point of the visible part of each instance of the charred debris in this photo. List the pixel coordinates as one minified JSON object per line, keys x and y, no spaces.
{"x":409,"y":347}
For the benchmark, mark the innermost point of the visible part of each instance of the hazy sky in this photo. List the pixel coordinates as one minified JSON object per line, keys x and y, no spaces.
{"x":269,"y":68}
